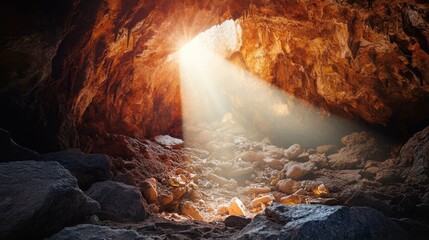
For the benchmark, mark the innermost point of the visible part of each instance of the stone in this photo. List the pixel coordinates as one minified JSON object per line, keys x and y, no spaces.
{"x":415,"y":155}
{"x":324,"y":201}
{"x":168,"y":141}
{"x":327,"y":149}
{"x":38,"y":199}
{"x":242,"y":172}
{"x":299,"y":170}
{"x":251,"y":156}
{"x":189,"y":210}
{"x":263,"y":199}
{"x":292,"y":199}
{"x":257,"y":189}
{"x":288,"y":186}
{"x":359,"y":147}
{"x":364,"y":199}
{"x":277,"y":164}
{"x":165,"y":198}
{"x":293,"y":151}
{"x":388,"y":176}
{"x":87,"y":168}
{"x":293,"y":222}
{"x":11,"y":151}
{"x":236,"y":207}
{"x":126,"y":178}
{"x":221,"y":180}
{"x":149,"y":190}
{"x":236,"y":221}
{"x":89,"y":231}
{"x":320,"y":160}
{"x":416,"y":230}
{"x":222,"y":210}
{"x":118,"y":201}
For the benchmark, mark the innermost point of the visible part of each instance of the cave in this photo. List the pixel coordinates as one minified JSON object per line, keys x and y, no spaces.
{"x":229,"y":119}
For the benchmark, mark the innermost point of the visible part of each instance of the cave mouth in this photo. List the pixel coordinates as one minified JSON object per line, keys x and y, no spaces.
{"x":272,"y":121}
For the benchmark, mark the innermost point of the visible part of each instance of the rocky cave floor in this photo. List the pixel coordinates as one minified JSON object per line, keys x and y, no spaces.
{"x":219,"y":184}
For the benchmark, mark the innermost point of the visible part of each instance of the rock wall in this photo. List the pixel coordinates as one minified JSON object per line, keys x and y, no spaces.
{"x":91,"y":68}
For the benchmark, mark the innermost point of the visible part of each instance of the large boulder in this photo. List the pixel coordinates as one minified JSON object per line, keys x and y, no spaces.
{"x":359,"y":147}
{"x":119,"y":202}
{"x":11,"y":151}
{"x":321,"y":222}
{"x":415,"y":155}
{"x":87,"y":168}
{"x":88,"y":231}
{"x":38,"y":199}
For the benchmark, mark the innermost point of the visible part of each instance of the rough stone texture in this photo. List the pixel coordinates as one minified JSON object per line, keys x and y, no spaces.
{"x":236,"y":221}
{"x":364,"y":199}
{"x":293,"y":151}
{"x":118,"y":201}
{"x":113,"y":63}
{"x":169,"y":141}
{"x":288,"y":186}
{"x":87,"y":168}
{"x":38,"y":199}
{"x":415,"y":154}
{"x":88,"y":231}
{"x":299,"y":170}
{"x":149,"y":190}
{"x":359,"y":147}
{"x":321,"y":222}
{"x":10,"y":151}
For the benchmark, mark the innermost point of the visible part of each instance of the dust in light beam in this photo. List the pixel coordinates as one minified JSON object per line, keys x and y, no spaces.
{"x":212,"y":86}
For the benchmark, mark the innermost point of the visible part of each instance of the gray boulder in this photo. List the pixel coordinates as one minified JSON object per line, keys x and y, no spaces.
{"x":11,"y":151}
{"x":88,"y":231}
{"x":38,"y":199}
{"x":119,"y":202}
{"x":293,"y":222}
{"x":87,"y":168}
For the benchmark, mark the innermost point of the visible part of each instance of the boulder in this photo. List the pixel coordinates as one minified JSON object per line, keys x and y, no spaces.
{"x":87,"y":168}
{"x":415,"y":154}
{"x":359,"y":147}
{"x":88,"y":231}
{"x":321,"y":222}
{"x":11,"y":151}
{"x":38,"y":199}
{"x":119,"y":202}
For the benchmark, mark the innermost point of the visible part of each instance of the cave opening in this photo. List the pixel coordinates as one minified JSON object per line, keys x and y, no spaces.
{"x":230,"y":119}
